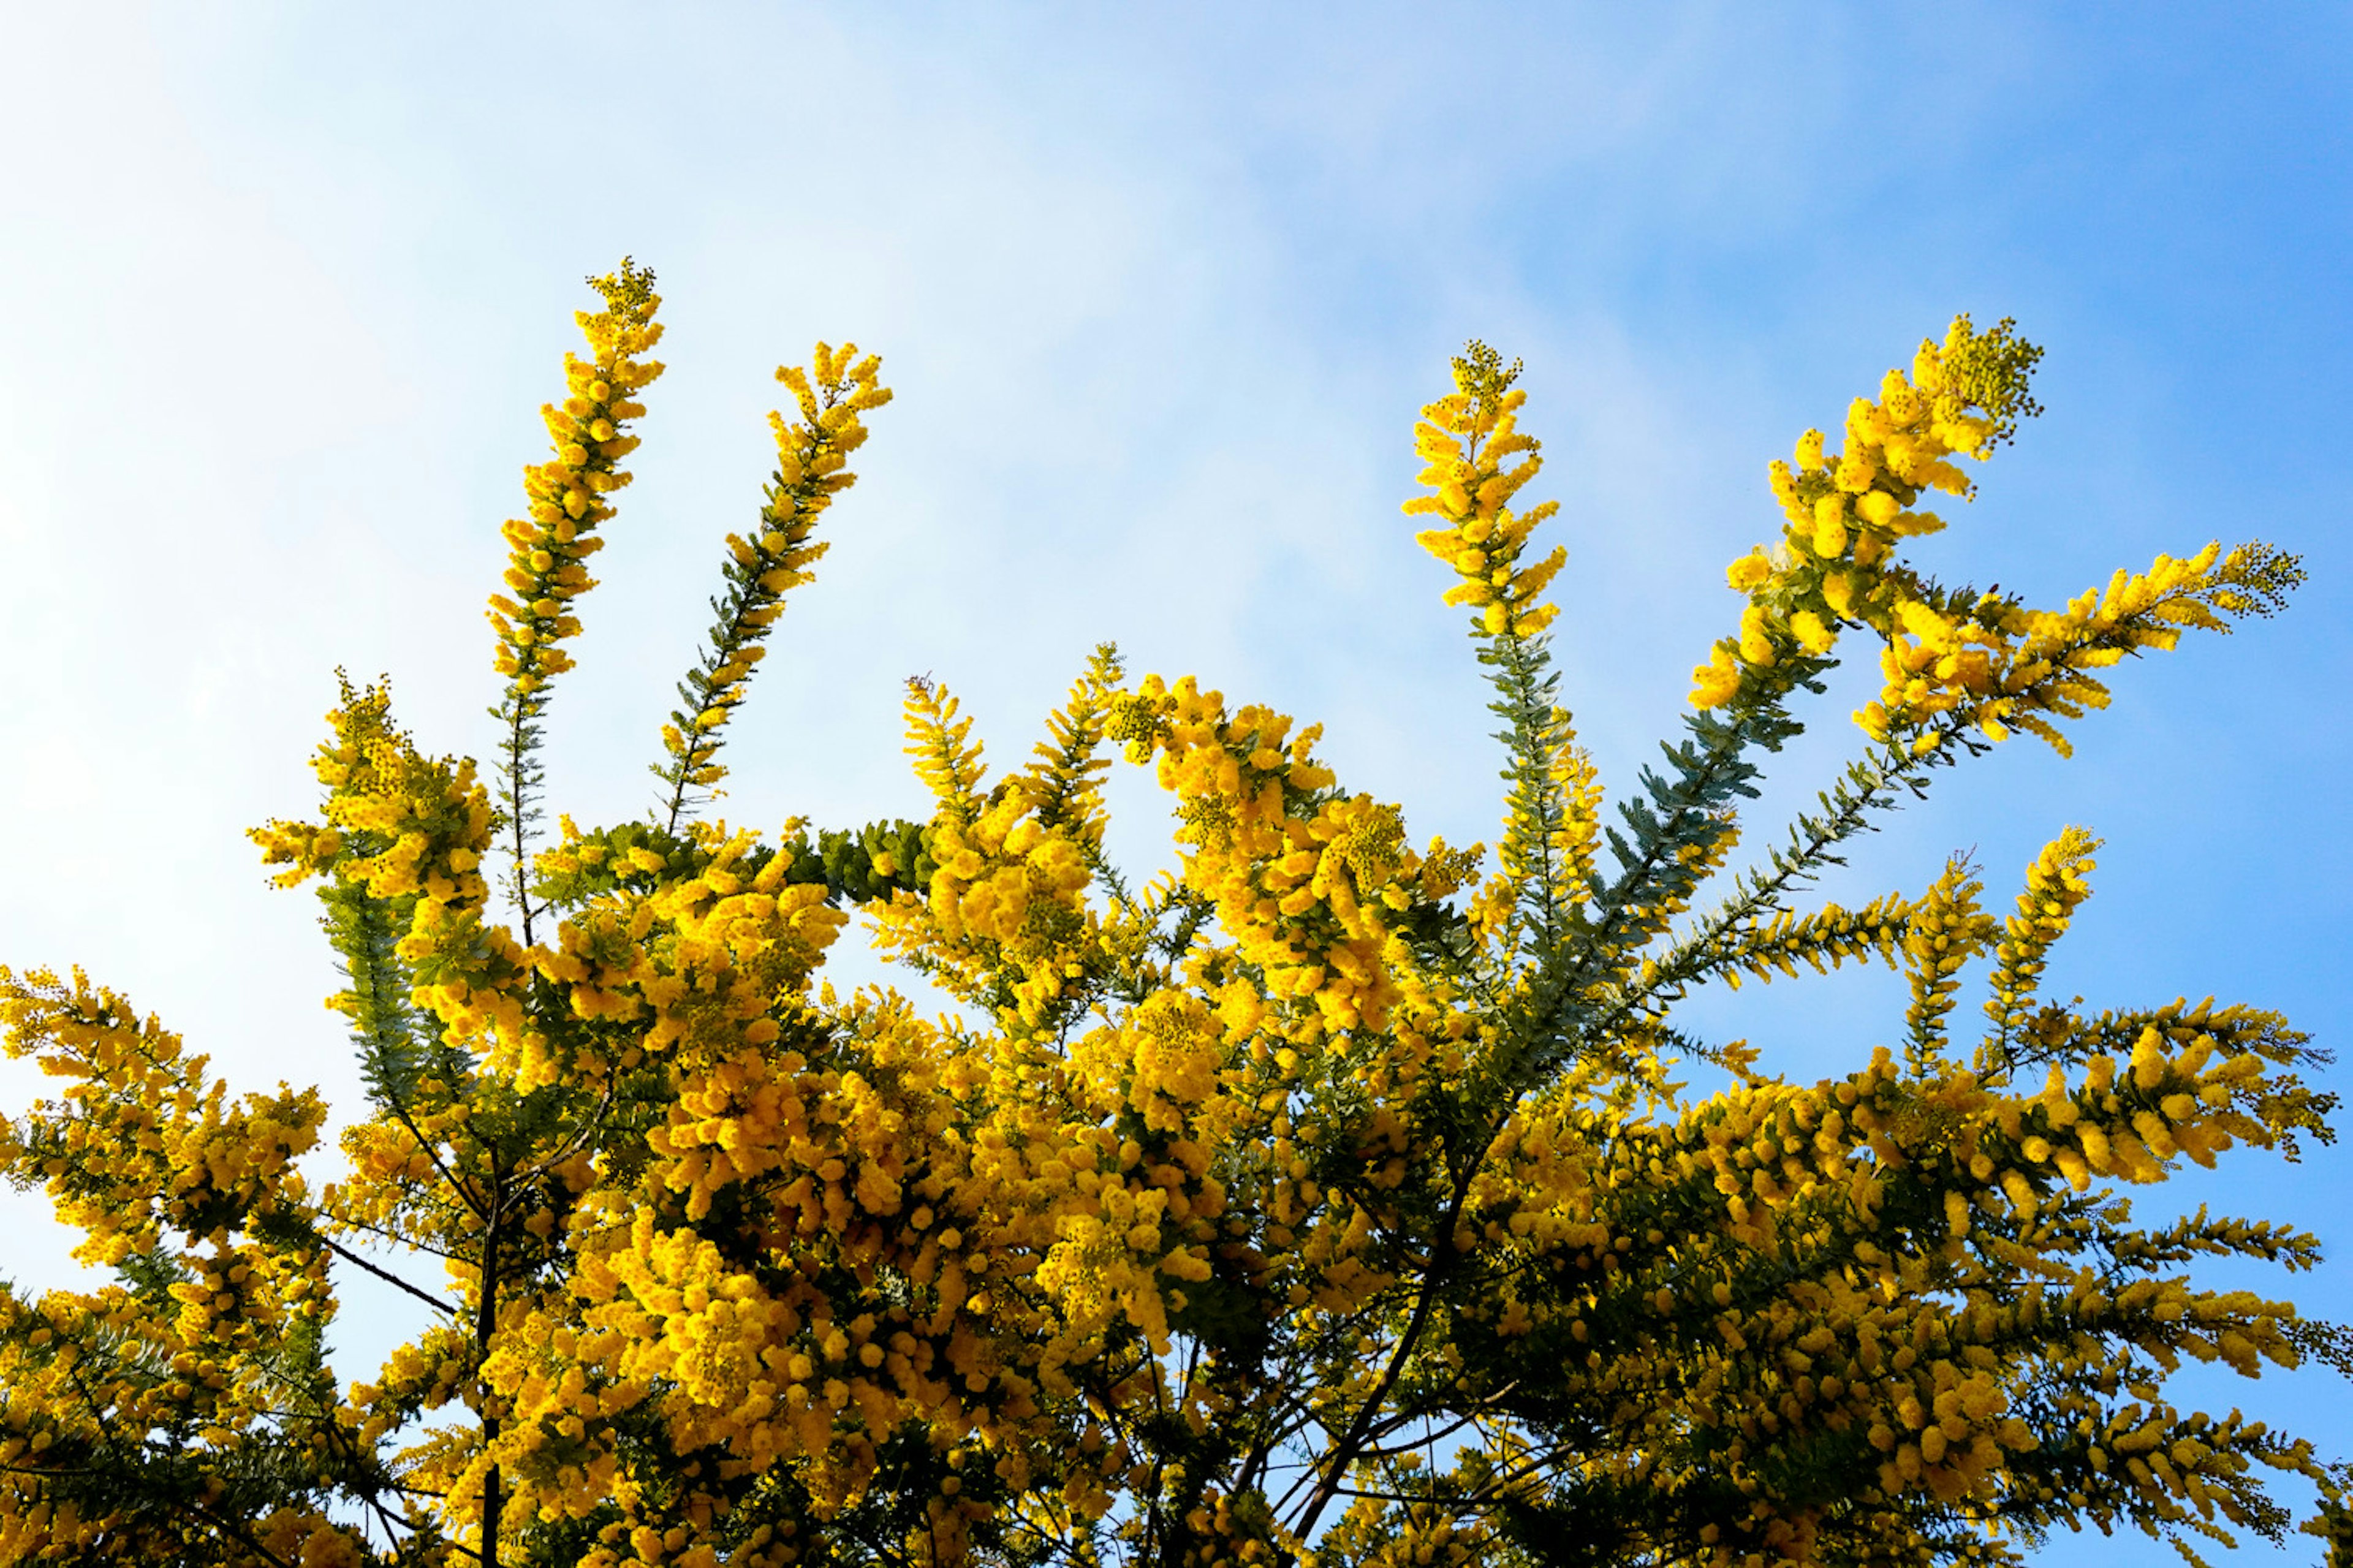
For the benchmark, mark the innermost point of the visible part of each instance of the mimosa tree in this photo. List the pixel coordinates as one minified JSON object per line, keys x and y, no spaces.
{"x":1331,"y":1199}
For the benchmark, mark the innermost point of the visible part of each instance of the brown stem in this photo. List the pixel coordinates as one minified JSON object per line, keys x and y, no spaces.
{"x":386,"y":1274}
{"x":485,"y":1321}
{"x":1344,"y":1452}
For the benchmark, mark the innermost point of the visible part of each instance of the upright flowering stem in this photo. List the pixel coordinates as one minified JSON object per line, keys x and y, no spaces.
{"x":545,"y":572}
{"x":812,"y":452}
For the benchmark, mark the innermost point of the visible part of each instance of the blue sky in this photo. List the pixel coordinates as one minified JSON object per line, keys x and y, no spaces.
{"x":1160,"y":291}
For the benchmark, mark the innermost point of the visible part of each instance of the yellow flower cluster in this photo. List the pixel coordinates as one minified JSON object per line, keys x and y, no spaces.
{"x":707,"y":956}
{"x":812,"y":458}
{"x":1831,"y":933}
{"x":158,"y":1170}
{"x":141,"y":1145}
{"x":1305,"y":881}
{"x":409,"y":832}
{"x":1873,"y":1347}
{"x":1006,"y":918}
{"x":566,"y":494}
{"x":1847,"y":511}
{"x":800,"y":1365}
{"x":1227,"y":1206}
{"x":2055,"y":885}
{"x":1945,"y":930}
{"x":1952,"y":661}
{"x":1379,"y":1532}
{"x":2000,"y":667}
{"x":1468,"y":440}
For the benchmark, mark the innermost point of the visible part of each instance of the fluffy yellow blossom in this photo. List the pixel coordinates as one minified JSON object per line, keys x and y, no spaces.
{"x":1334,"y":1196}
{"x":1952,"y":662}
{"x":1476,"y":461}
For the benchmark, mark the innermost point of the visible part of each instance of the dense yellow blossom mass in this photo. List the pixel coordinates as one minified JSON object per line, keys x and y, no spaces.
{"x":1329,"y":1200}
